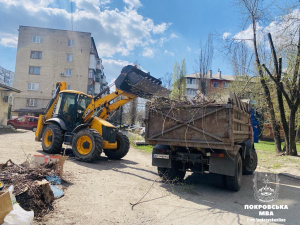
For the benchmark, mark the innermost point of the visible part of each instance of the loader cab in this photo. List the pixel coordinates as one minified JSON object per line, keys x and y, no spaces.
{"x":70,"y":107}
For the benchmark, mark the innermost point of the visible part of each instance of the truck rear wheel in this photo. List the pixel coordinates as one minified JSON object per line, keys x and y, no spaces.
{"x":234,"y":183}
{"x":171,"y":174}
{"x":52,"y":139}
{"x":122,"y":147}
{"x":87,"y":145}
{"x":250,"y":163}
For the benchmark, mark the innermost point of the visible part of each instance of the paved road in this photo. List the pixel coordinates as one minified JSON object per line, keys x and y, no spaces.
{"x":102,"y":192}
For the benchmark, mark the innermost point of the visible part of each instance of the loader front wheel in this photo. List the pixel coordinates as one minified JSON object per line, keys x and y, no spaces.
{"x":52,"y":139}
{"x":122,"y":147}
{"x":87,"y":145}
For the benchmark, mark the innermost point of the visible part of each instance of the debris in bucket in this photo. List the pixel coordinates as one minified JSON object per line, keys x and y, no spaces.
{"x":31,"y":189}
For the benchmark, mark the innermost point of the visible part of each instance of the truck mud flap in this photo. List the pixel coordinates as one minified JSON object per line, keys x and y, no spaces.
{"x":161,"y":156}
{"x":224,"y":165}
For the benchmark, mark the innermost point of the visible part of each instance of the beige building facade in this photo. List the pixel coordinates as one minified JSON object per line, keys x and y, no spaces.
{"x":6,"y":101}
{"x":46,"y":56}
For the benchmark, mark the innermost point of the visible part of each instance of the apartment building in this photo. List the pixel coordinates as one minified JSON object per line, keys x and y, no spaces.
{"x":6,"y":77}
{"x":46,"y":56}
{"x":214,"y":83}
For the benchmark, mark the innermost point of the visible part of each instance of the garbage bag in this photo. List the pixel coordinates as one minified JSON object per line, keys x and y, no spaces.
{"x":18,"y":216}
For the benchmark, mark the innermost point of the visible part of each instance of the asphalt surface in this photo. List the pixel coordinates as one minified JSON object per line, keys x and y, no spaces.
{"x":105,"y":192}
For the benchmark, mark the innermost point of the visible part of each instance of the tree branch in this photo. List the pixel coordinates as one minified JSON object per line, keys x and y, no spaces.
{"x":279,"y":85}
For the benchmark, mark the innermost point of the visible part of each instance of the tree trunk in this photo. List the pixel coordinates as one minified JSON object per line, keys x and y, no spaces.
{"x":274,"y":125}
{"x":292,"y":150}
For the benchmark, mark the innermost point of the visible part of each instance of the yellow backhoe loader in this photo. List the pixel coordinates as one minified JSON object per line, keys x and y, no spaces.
{"x":77,"y":119}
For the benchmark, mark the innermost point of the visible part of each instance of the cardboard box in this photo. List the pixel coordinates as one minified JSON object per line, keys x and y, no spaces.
{"x":59,"y":159}
{"x":5,"y":205}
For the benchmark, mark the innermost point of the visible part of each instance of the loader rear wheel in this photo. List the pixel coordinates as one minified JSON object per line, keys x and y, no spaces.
{"x":122,"y":147}
{"x":52,"y":139}
{"x":234,"y":183}
{"x":87,"y":145}
{"x":250,"y":163}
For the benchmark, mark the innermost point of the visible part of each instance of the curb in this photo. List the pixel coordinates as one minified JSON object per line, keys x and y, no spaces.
{"x":290,"y":175}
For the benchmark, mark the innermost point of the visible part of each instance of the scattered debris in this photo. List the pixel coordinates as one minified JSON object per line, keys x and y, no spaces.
{"x":31,"y":189}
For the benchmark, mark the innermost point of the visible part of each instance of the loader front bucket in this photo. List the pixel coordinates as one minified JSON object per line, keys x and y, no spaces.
{"x":134,"y":81}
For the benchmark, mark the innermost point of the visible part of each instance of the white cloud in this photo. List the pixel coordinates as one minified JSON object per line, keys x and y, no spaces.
{"x":226,"y":35}
{"x":169,"y":53}
{"x":162,"y":40}
{"x":133,"y":3}
{"x":8,"y":40}
{"x":173,"y":36}
{"x":88,"y":5}
{"x":115,"y":31}
{"x":282,"y":29}
{"x":188,"y":48}
{"x":148,"y":52}
{"x":160,"y":28}
{"x":112,"y":68}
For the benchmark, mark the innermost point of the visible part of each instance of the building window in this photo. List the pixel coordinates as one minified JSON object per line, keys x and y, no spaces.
{"x":37,"y":39}
{"x":91,"y":74}
{"x":33,"y":86}
{"x":191,"y":81}
{"x":215,"y":84}
{"x":68,"y":72}
{"x":36,"y":54}
{"x":191,"y":92}
{"x":35,"y":70}
{"x":226,"y":85}
{"x":69,"y":57}
{"x":68,"y":87}
{"x":32,"y":102}
{"x":70,"y":42}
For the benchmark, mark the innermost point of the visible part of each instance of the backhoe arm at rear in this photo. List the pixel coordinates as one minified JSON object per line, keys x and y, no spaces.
{"x":60,"y":86}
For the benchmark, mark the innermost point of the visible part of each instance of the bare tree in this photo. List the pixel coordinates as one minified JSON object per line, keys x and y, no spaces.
{"x":289,"y":89}
{"x":253,"y":10}
{"x":205,"y":62}
{"x":178,"y":80}
{"x":133,"y":111}
{"x":167,"y":80}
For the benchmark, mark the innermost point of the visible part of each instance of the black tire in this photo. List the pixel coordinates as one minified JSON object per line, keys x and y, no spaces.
{"x":250,"y":163}
{"x":52,"y":139}
{"x":34,"y":129}
{"x":87,"y":145}
{"x":171,"y":174}
{"x":11,"y":126}
{"x":161,"y":171}
{"x":234,"y":183}
{"x":122,"y":147}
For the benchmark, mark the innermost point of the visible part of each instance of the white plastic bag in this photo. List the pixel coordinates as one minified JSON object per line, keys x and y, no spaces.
{"x":12,"y":196}
{"x":18,"y":216}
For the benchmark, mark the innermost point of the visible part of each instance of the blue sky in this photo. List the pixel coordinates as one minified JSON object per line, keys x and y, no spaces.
{"x":153,"y":33}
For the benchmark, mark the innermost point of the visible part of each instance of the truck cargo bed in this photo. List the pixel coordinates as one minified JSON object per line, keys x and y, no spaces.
{"x":207,"y":125}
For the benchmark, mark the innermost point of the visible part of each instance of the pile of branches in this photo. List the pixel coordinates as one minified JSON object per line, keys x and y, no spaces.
{"x":198,"y":101}
{"x":29,"y":194}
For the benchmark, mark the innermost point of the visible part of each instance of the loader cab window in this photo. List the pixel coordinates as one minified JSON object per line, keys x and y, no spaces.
{"x":82,"y":103}
{"x":66,"y":109}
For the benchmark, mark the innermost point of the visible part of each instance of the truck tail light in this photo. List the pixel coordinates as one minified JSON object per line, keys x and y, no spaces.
{"x":218,"y":155}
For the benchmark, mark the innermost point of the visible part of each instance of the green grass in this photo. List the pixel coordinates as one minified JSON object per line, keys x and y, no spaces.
{"x":145,"y":148}
{"x":270,"y":146}
{"x":136,"y":137}
{"x":267,"y":156}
